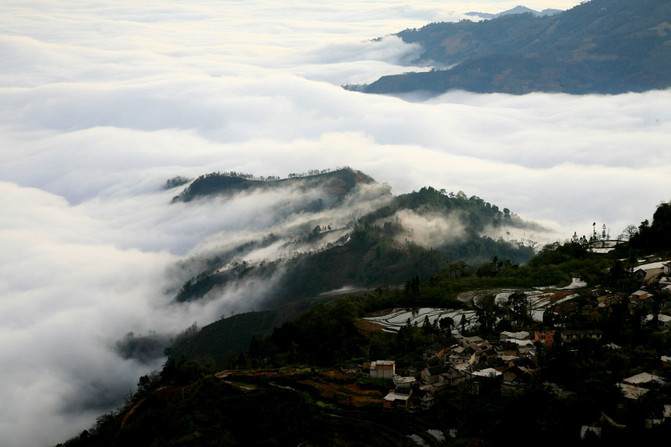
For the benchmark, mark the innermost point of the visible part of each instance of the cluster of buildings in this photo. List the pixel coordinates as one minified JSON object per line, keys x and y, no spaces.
{"x":507,"y":366}
{"x":472,"y":362}
{"x":654,"y":295}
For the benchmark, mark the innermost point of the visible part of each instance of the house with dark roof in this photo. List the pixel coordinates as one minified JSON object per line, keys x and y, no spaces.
{"x":459,"y":354}
{"x":483,"y":379}
{"x":431,"y":375}
{"x":453,"y":377}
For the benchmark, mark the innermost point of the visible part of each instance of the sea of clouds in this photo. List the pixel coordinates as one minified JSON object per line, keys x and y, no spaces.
{"x":102,"y":102}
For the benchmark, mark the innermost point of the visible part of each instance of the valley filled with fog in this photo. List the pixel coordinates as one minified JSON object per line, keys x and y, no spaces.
{"x":101,"y":103}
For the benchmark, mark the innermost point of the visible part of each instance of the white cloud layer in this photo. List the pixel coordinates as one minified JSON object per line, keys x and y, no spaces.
{"x":101,"y":103}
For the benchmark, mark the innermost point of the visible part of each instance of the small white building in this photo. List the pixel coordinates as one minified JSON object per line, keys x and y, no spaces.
{"x":515,"y":336}
{"x":644,"y":379}
{"x":396,"y":399}
{"x":487,"y":372}
{"x":383,"y":369}
{"x":407,"y":381}
{"x":666,"y":268}
{"x":631,"y":392}
{"x":663,"y":320}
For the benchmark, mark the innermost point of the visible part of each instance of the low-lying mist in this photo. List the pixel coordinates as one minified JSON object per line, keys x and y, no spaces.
{"x":101,"y":105}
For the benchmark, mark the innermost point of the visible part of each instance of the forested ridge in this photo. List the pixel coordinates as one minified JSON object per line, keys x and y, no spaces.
{"x":373,"y":249}
{"x":599,"y":46}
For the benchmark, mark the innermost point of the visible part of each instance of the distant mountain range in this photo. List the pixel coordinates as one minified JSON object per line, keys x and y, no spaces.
{"x":515,"y":10}
{"x":600,"y":46}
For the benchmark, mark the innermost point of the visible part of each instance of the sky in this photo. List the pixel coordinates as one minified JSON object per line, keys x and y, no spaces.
{"x":102,"y":102}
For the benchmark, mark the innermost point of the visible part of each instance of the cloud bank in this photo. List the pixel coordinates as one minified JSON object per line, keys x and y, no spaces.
{"x":101,"y":103}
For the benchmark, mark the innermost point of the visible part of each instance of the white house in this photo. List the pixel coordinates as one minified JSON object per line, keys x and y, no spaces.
{"x":383,"y":369}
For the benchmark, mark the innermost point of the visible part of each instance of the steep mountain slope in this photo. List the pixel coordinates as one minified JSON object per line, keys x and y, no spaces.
{"x":340,"y":229}
{"x":330,"y":233}
{"x":601,"y":46}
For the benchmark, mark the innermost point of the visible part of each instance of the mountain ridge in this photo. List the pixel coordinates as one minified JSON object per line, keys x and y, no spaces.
{"x":362,"y":239}
{"x":339,"y":181}
{"x":516,"y":10}
{"x":600,"y":46}
{"x":364,"y":251}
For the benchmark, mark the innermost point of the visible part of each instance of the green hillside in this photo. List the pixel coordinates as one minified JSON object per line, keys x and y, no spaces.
{"x":373,"y":250}
{"x":600,"y":46}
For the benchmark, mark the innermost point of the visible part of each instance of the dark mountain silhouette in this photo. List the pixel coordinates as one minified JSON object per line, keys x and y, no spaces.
{"x":515,"y":10}
{"x":336,"y":183}
{"x":601,"y":46}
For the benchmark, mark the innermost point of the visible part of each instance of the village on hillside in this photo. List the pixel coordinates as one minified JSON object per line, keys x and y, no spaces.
{"x":509,"y":363}
{"x":483,"y":359}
